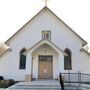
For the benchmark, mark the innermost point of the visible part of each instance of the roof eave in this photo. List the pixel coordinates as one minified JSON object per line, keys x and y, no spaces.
{"x":6,"y":42}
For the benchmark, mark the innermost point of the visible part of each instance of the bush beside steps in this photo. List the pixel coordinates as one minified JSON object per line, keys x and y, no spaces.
{"x":6,"y":83}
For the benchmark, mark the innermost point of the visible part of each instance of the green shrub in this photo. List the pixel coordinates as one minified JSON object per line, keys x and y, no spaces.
{"x":6,"y":83}
{"x":11,"y":82}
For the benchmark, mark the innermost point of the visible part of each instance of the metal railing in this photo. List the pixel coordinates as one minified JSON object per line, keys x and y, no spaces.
{"x":80,"y":78}
{"x":61,"y":81}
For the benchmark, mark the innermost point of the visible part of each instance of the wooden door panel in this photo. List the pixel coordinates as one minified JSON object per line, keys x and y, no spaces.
{"x":45,"y":67}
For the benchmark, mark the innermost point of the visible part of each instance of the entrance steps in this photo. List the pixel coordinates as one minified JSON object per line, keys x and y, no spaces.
{"x":36,"y":85}
{"x":40,"y":85}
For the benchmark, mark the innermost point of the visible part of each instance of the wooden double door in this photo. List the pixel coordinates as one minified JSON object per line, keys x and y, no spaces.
{"x":45,"y":67}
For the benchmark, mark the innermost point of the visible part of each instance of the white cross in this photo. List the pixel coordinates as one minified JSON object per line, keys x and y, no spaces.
{"x":45,"y":2}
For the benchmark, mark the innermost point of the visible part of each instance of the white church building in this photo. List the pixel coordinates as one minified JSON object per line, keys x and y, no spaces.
{"x":42,"y":48}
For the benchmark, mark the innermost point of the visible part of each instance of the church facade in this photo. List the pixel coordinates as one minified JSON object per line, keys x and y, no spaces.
{"x":42,"y":48}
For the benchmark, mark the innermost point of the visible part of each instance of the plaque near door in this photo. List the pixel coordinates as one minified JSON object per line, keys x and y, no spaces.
{"x":45,"y":71}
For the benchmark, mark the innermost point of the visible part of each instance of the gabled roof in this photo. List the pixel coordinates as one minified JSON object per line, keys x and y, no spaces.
{"x":48,"y":42}
{"x":46,"y":8}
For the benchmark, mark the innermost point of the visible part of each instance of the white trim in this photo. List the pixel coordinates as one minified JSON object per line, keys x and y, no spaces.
{"x":46,"y":8}
{"x":45,"y":41}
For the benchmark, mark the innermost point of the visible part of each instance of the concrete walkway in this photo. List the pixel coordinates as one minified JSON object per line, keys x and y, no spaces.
{"x":37,"y":85}
{"x":45,"y":85}
{"x":40,"y":82}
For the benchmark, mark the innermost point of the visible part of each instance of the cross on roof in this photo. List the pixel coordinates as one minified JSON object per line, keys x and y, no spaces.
{"x":45,"y":2}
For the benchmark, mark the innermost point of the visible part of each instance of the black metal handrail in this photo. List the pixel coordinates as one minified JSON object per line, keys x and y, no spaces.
{"x":76,"y":78}
{"x":61,"y":81}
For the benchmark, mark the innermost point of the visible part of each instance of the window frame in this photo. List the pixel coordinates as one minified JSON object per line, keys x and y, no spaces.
{"x":66,"y":58}
{"x":21,"y":59}
{"x":44,"y":36}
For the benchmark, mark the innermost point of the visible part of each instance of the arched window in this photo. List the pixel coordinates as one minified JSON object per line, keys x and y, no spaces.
{"x":22,"y":64}
{"x":67,"y":60}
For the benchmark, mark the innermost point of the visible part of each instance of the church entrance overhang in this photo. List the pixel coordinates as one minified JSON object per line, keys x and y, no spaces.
{"x":48,"y":42}
{"x":43,"y":53}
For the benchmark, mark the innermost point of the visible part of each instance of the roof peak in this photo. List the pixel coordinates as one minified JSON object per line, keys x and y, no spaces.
{"x":46,"y":8}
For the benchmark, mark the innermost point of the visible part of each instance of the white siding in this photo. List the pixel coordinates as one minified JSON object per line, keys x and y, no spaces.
{"x":61,"y":36}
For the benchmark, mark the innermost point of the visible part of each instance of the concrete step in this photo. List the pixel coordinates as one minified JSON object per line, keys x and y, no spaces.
{"x":35,"y":87}
{"x":43,"y":88}
{"x":72,"y":87}
{"x":41,"y":85}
